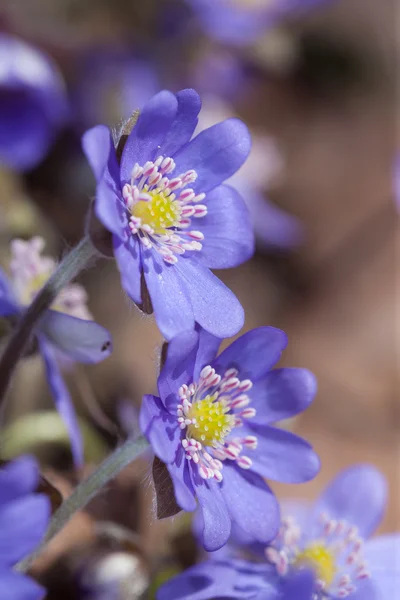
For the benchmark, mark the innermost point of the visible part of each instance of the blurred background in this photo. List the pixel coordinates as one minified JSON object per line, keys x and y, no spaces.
{"x":317,"y":87}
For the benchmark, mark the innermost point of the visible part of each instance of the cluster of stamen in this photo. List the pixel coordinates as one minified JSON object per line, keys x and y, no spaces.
{"x":30,"y":271}
{"x":161,"y":208}
{"x":336,"y":555}
{"x":209,"y":411}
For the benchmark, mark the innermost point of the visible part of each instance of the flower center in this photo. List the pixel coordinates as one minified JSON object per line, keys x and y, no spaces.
{"x":320,"y":559}
{"x":336,"y":555}
{"x":159,"y":214}
{"x":209,"y":412}
{"x":210,"y":421}
{"x":29,"y":273}
{"x":161,"y":208}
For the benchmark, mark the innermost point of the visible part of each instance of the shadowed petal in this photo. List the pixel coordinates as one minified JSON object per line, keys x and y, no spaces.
{"x":365,"y":508}
{"x":18,"y":478}
{"x":152,"y":126}
{"x":129,"y":262}
{"x":160,"y":428}
{"x":181,"y":478}
{"x":171,"y":303}
{"x":178,"y":368}
{"x":281,"y":394}
{"x":207,"y":350}
{"x":216,"y":520}
{"x":281,"y":455}
{"x":99,"y":150}
{"x":8,"y":304}
{"x":298,"y":586}
{"x":22,"y":525}
{"x":254,"y":353}
{"x":189,"y":105}
{"x":215,"y":154}
{"x":251,"y":503}
{"x":14,"y":586}
{"x":215,"y":307}
{"x":228,"y":233}
{"x":205,"y":581}
{"x":83,"y":341}
{"x":62,"y":400}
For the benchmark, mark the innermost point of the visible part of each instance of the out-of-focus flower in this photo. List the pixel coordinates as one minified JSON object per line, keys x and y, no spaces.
{"x":242,"y":22}
{"x":65,"y":329}
{"x":236,"y":579}
{"x":33,"y":104}
{"x":211,"y":426}
{"x":172,"y":219}
{"x":24,"y":517}
{"x":273,"y":227}
{"x":396,"y":181}
{"x":110,"y":81}
{"x":330,"y":538}
{"x":218,"y":74}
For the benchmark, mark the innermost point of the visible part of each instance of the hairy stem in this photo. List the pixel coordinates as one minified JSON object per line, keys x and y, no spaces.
{"x":87,"y":490}
{"x":68,"y":269}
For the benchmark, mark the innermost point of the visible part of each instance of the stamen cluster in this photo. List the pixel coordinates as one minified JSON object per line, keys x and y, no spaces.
{"x":209,"y":411}
{"x":161,"y":208}
{"x":336,"y":555}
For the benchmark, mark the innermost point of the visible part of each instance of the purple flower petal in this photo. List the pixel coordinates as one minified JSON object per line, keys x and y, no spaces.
{"x":254,"y":353}
{"x":383,"y":559}
{"x":215,"y":307}
{"x":18,"y":478}
{"x":160,"y":428}
{"x":171,"y":303}
{"x":215,"y":154}
{"x":23,"y":523}
{"x":358,"y":495}
{"x":181,"y":478}
{"x":273,"y":227}
{"x":202,"y":582}
{"x":281,"y":455}
{"x":228,"y":234}
{"x":281,"y":394}
{"x":206,"y":352}
{"x":298,"y":586}
{"x":14,"y":586}
{"x":99,"y":149}
{"x":83,"y":341}
{"x":127,"y":255}
{"x":178,"y":368}
{"x":182,"y":129}
{"x":251,"y":503}
{"x":216,"y":520}
{"x":8,"y":304}
{"x":149,"y":133}
{"x":62,"y":400}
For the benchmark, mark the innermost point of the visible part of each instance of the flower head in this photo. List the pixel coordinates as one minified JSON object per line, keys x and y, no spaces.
{"x":24,"y":517}
{"x":65,"y":330}
{"x":171,"y":217}
{"x":211,"y":426}
{"x":33,"y":103}
{"x":242,"y":22}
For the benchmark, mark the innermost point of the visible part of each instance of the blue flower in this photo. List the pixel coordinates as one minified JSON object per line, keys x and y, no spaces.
{"x":33,"y":103}
{"x":172,"y":219}
{"x":235,"y":579}
{"x":242,"y":22}
{"x":66,"y":331}
{"x":331,"y":538}
{"x":211,"y":426}
{"x":24,"y":517}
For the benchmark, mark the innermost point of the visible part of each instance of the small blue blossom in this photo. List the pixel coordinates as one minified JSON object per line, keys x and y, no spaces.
{"x":65,"y":332}
{"x":172,"y":219}
{"x":211,"y":426}
{"x":242,"y":22}
{"x":331,"y":538}
{"x":33,"y":103}
{"x":24,"y":517}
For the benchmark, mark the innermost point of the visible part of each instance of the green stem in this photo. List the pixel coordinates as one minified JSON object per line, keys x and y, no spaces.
{"x":68,"y":269}
{"x":87,"y":490}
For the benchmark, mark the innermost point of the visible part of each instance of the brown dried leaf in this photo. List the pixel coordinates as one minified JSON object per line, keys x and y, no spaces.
{"x":165,"y":497}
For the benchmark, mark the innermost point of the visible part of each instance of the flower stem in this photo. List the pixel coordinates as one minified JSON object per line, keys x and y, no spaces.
{"x":68,"y":269}
{"x":87,"y":490}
